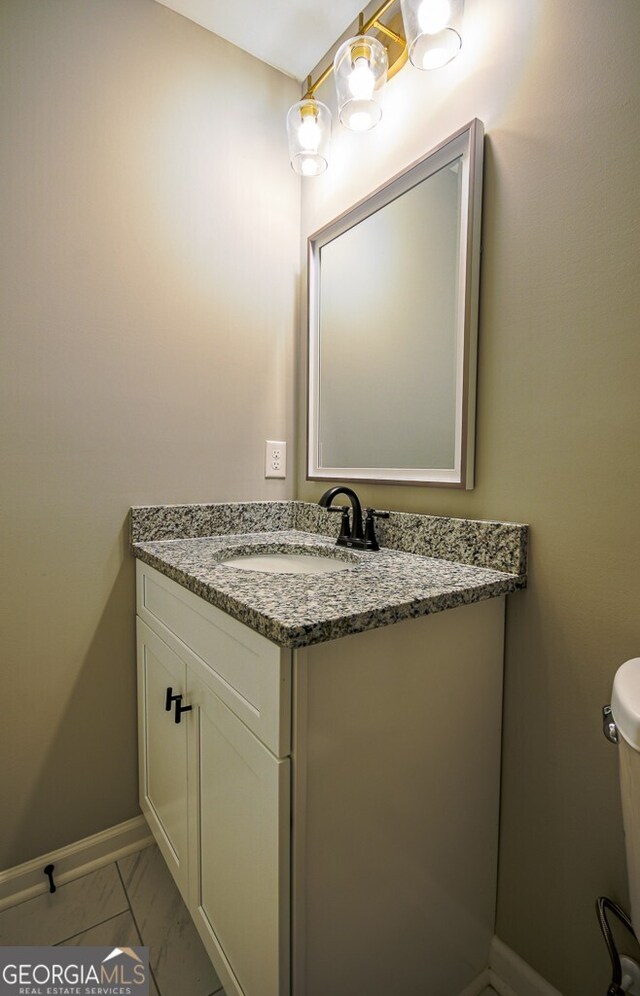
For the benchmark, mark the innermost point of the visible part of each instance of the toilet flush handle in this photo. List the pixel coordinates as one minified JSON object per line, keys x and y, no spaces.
{"x":609,"y":727}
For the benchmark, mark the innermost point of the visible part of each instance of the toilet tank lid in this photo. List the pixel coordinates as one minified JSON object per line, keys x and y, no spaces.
{"x":625,"y":701}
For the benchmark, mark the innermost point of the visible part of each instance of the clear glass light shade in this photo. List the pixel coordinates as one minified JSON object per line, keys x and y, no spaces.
{"x":309,"y":131}
{"x":434,"y":31}
{"x":360,"y":72}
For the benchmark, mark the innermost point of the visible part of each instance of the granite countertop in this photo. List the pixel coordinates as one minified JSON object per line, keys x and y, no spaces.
{"x":381,"y":587}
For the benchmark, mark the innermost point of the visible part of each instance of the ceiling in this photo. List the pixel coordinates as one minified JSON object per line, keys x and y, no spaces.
{"x":291,"y":35}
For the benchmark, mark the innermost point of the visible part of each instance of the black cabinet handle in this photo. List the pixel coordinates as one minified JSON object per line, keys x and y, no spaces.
{"x":170,"y":698}
{"x":180,"y":708}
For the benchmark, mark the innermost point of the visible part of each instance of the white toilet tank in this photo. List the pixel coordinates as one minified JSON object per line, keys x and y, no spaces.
{"x":625,"y":709}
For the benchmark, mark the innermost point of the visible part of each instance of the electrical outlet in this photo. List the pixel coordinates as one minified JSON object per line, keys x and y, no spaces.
{"x":275,"y":463}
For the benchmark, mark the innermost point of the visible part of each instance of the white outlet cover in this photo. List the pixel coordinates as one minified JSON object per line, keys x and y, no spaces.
{"x":275,"y":458}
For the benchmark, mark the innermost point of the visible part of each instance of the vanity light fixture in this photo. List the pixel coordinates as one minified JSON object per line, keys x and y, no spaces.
{"x":433,"y":29}
{"x":432,"y":37}
{"x":309,"y":131}
{"x":360,"y":72}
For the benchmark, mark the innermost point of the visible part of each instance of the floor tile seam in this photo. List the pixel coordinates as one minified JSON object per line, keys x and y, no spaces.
{"x":93,"y":926}
{"x":135,"y":924}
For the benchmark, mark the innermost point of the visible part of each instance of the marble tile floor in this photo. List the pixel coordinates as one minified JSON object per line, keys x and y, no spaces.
{"x":131,"y":902}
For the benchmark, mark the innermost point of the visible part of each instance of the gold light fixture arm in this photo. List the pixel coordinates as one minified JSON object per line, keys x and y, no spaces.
{"x":379,"y":13}
{"x":390,"y":34}
{"x":312,"y":87}
{"x":363,"y":27}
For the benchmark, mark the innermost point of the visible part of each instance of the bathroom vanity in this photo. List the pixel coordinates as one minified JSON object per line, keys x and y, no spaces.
{"x":324,"y":785}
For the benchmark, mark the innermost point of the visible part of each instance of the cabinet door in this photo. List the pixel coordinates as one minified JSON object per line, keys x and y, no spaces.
{"x":163,"y":751}
{"x":239,"y":807}
{"x":249,"y":673}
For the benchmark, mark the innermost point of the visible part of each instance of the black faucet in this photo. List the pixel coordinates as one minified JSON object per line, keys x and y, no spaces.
{"x":351,"y":532}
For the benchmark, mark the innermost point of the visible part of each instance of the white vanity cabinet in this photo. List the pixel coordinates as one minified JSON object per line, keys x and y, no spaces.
{"x":216,"y":796}
{"x":330,"y":814}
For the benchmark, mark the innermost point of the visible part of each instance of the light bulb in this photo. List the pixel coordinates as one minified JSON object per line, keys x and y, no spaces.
{"x":361,"y":81}
{"x":309,"y":167}
{"x":433,"y":16}
{"x":361,"y":121}
{"x":309,"y":134}
{"x":435,"y":58}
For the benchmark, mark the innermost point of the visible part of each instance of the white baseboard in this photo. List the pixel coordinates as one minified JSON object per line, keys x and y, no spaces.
{"x":511,"y":976}
{"x":28,"y":880}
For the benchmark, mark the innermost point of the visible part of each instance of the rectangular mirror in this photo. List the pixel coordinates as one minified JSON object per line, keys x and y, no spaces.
{"x":393,"y":314}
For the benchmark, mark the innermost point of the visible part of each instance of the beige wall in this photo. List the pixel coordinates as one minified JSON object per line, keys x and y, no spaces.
{"x":149,"y":263}
{"x":149,"y":248}
{"x":557,"y":86}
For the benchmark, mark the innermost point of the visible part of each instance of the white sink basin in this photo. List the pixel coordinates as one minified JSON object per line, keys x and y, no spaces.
{"x":288,"y":563}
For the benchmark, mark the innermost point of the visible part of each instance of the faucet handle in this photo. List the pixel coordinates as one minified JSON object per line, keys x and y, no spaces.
{"x":370,"y":539}
{"x":345,"y":525}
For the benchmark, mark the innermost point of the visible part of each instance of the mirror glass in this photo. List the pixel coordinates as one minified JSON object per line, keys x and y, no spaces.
{"x":393,"y":287}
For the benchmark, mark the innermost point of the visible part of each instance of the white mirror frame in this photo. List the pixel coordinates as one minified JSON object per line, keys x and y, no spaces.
{"x":467,"y":145}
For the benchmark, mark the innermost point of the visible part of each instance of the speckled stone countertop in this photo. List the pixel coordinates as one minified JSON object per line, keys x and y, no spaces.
{"x":296,"y":611}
